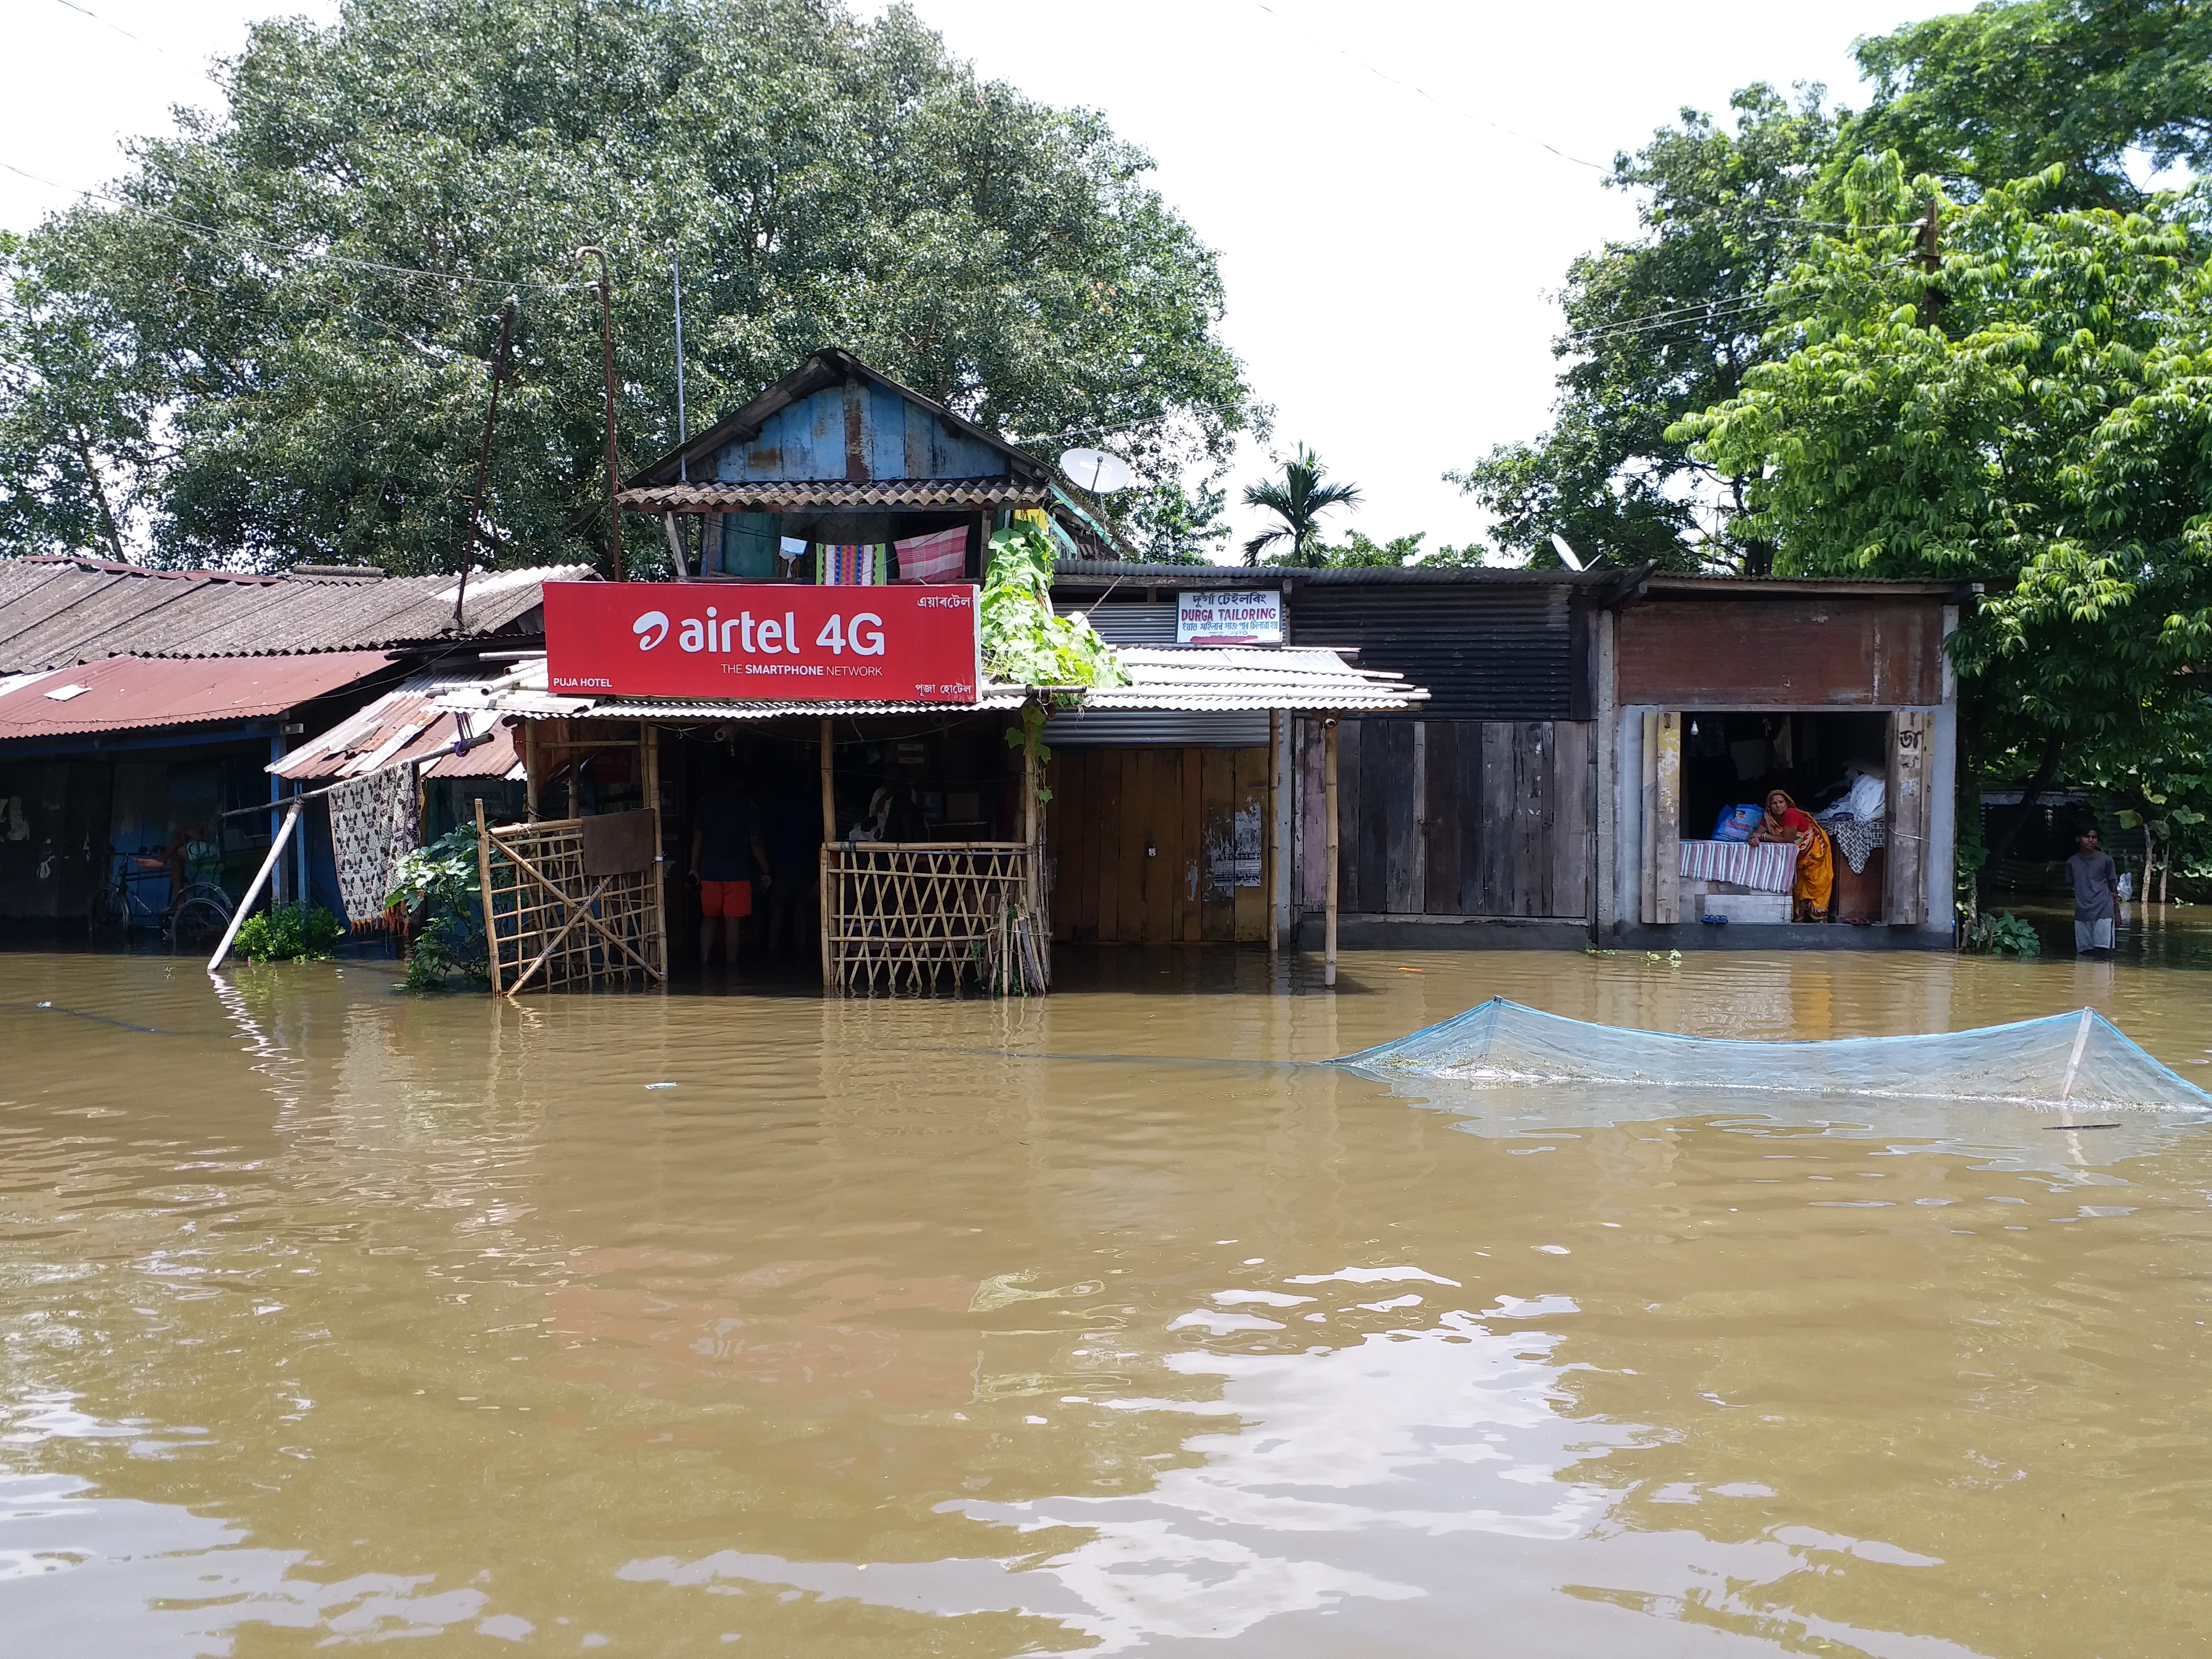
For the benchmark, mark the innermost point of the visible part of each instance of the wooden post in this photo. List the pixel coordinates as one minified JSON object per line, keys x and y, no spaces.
{"x":529,"y":770}
{"x":483,"y":881}
{"x":1329,"y":797}
{"x":1274,"y":830}
{"x":648,"y":743}
{"x":828,"y":845}
{"x":1032,"y":885}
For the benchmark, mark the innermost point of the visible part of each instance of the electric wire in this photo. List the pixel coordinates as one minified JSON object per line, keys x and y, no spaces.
{"x":1423,"y":91}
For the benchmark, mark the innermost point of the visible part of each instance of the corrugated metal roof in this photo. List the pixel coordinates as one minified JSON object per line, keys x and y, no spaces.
{"x":1485,"y":652}
{"x":786,"y":495}
{"x":1088,"y":573}
{"x":1162,"y":679}
{"x":123,"y":694}
{"x":405,"y":726}
{"x":56,"y":611}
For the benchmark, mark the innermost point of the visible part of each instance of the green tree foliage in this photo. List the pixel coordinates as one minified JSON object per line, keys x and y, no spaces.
{"x":257,"y":279}
{"x":1658,"y":328}
{"x":1172,"y":527}
{"x":1983,"y":98}
{"x":2037,"y":414}
{"x":1297,"y":500}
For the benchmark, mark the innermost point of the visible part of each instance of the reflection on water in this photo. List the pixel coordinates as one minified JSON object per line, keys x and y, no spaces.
{"x":661,"y":1323}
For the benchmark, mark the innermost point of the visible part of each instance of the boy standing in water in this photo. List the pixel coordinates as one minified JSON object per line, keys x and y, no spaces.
{"x":2096,"y":895}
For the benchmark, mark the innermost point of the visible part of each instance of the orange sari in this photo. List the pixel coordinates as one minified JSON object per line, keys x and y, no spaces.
{"x":1816,"y":860}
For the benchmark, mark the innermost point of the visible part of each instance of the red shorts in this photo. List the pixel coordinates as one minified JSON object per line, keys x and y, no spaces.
{"x":733,"y":899}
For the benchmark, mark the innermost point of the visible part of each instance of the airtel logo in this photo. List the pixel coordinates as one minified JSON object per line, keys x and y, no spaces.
{"x":651,"y":628}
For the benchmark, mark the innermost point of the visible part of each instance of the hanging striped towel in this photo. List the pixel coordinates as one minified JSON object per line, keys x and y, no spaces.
{"x":851,"y":564}
{"x":942,"y":557}
{"x":1768,"y":867}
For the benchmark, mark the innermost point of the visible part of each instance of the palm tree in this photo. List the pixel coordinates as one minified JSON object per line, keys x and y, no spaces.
{"x":1298,"y":499}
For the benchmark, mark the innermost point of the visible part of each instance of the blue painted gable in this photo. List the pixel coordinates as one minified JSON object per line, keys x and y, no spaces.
{"x":856,"y":431}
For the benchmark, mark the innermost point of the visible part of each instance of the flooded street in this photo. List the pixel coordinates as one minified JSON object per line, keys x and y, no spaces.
{"x":657,"y":1322}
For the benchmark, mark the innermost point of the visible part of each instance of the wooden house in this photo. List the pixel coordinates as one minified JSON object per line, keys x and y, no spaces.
{"x":1543,"y":794}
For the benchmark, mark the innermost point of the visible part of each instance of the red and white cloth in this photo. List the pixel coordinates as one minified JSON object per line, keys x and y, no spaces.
{"x":1766,"y":867}
{"x":942,"y":557}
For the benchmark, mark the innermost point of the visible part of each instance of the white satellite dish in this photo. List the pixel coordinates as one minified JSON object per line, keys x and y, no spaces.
{"x":1095,"y":471}
{"x":1574,"y":559}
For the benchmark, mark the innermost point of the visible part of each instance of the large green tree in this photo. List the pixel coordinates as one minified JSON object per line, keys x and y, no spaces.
{"x":299,"y":290}
{"x":2035,"y":414}
{"x":1658,"y":328}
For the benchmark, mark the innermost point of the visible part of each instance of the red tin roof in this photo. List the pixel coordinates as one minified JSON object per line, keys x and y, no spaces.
{"x":124,"y":694}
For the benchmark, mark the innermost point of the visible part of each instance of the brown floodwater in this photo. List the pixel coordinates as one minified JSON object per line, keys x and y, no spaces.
{"x":660,"y":1322}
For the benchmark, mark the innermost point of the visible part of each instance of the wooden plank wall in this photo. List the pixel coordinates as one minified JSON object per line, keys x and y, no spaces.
{"x":1455,"y":817}
{"x":1200,"y":811}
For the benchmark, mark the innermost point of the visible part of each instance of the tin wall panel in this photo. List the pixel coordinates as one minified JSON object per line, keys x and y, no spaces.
{"x":1503,"y":652}
{"x":1782,"y":654}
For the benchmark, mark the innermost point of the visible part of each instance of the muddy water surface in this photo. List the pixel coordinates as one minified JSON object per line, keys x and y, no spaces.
{"x":665,"y":1323}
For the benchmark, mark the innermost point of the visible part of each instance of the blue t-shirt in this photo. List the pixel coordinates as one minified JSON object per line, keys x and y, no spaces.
{"x":726,"y":829}
{"x":794,"y":828}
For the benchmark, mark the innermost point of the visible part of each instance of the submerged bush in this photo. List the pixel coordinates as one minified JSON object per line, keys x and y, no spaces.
{"x":444,"y":882}
{"x":289,"y":932}
{"x":2004,"y":935}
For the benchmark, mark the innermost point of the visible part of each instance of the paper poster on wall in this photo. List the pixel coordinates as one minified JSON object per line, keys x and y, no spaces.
{"x":1254,"y":617}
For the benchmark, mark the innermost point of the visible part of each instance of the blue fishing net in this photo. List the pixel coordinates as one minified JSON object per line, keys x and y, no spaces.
{"x":2072,"y":1061}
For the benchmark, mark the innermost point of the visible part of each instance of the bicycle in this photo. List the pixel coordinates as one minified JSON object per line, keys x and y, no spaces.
{"x":191,"y":920}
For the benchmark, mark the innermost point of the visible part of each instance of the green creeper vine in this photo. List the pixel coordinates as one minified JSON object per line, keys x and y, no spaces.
{"x":1023,"y":642}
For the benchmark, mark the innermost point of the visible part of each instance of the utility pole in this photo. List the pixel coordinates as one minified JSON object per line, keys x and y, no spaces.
{"x":614,"y":466}
{"x":1931,"y":261}
{"x":483,"y":458}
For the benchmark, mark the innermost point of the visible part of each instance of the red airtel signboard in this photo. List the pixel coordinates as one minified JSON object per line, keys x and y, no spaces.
{"x":763,"y":642}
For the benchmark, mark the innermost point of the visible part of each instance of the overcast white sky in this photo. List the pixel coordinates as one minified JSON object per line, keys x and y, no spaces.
{"x":1377,"y":177}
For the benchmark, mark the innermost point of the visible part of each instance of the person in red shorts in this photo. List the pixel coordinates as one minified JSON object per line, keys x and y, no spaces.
{"x":728,"y":856}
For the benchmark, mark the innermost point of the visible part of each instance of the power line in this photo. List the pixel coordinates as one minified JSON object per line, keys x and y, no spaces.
{"x":411,"y":272}
{"x":1420,"y":91}
{"x":118,"y":28}
{"x":1689,"y":314}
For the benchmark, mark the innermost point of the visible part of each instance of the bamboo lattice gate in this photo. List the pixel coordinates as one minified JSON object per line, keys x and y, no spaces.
{"x":912,"y":915}
{"x":573,"y":903}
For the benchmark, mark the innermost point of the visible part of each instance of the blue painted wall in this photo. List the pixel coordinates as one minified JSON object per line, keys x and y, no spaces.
{"x":896,"y":440}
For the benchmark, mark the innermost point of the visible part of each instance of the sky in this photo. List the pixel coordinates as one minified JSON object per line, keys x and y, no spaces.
{"x":1395,"y":189}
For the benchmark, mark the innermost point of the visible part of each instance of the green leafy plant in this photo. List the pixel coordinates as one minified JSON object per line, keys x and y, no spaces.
{"x":443,"y":880}
{"x":2003,"y":935}
{"x":289,"y":932}
{"x":1023,"y":642}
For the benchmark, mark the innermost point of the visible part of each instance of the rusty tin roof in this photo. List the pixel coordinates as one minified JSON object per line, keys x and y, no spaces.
{"x":123,"y":694}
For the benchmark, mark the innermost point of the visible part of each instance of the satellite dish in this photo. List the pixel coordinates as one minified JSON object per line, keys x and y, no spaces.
{"x":1095,"y":471}
{"x":1574,"y":559}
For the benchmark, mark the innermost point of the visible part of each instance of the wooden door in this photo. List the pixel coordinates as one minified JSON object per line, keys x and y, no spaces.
{"x":1157,"y":846}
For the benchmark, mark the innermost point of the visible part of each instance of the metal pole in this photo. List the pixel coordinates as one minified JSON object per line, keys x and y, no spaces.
{"x":483,"y":460}
{"x":614,"y":465}
{"x":683,"y":434}
{"x":260,"y":880}
{"x":1328,"y":795}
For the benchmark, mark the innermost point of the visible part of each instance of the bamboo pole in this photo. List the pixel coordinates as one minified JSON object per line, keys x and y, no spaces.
{"x":1274,"y":830}
{"x":260,"y":880}
{"x":530,"y":768}
{"x":649,"y":741}
{"x":1328,"y":796}
{"x":483,"y":882}
{"x":829,"y":847}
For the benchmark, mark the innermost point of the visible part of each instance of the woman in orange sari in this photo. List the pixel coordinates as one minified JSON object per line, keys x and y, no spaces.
{"x":1816,"y":860}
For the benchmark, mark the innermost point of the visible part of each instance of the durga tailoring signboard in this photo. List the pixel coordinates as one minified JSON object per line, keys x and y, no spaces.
{"x":1252,"y":617}
{"x":763,"y":642}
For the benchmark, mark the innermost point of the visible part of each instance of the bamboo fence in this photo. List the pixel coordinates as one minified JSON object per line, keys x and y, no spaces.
{"x":922,"y":915}
{"x":550,"y":924}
